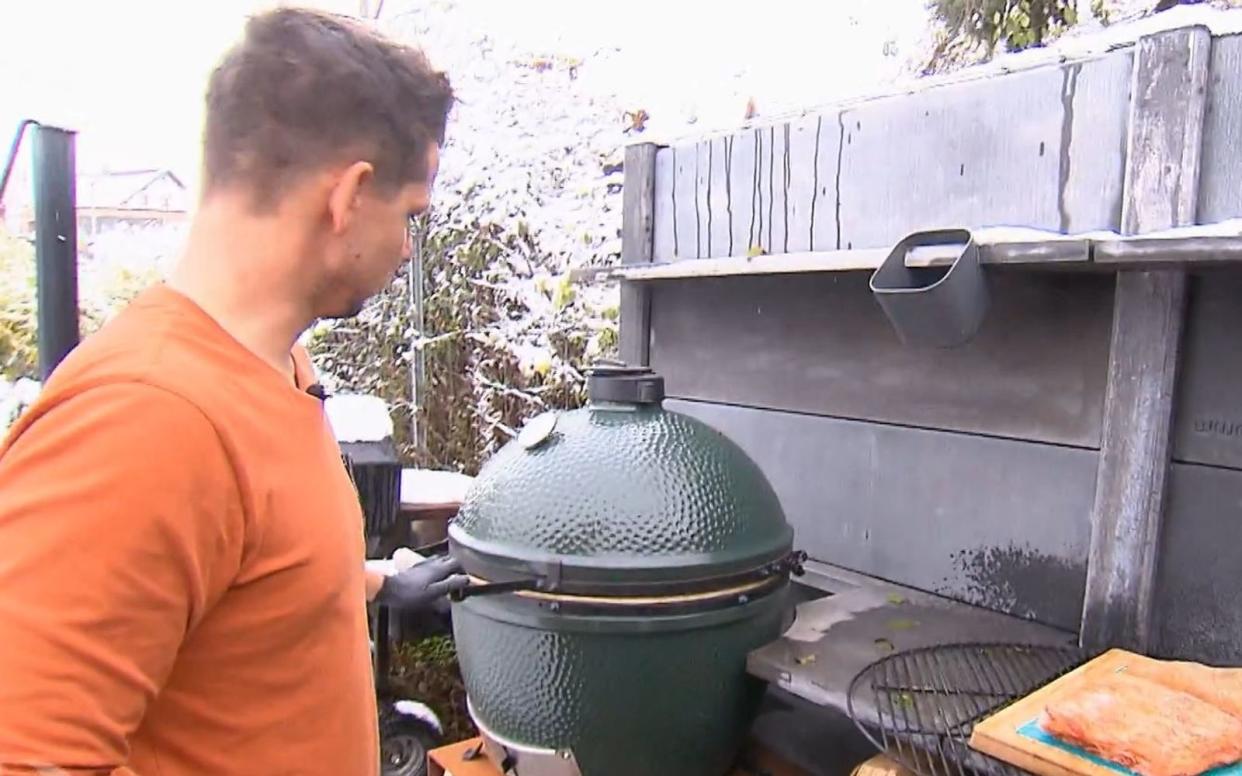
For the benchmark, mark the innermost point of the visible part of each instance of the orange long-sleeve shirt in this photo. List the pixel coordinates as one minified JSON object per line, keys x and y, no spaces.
{"x":181,"y":565}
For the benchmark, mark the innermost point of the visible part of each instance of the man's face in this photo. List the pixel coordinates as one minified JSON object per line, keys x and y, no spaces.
{"x":375,"y":244}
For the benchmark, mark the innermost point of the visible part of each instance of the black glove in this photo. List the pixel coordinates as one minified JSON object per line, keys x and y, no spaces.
{"x":422,"y":584}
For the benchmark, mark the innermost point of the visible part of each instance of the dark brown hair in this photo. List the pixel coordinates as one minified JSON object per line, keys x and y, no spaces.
{"x":303,"y":90}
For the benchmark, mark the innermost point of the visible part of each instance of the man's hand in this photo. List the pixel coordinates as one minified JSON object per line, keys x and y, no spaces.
{"x":422,"y":584}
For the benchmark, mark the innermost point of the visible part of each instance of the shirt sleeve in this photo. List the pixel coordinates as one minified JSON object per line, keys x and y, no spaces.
{"x":121,"y":524}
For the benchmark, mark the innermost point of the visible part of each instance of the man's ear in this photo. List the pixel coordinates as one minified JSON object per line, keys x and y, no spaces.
{"x":345,"y":195}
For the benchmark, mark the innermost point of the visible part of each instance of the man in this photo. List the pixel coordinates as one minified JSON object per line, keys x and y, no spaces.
{"x":181,"y":551}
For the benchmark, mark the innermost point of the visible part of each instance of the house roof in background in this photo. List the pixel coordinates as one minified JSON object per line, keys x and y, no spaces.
{"x":118,"y":189}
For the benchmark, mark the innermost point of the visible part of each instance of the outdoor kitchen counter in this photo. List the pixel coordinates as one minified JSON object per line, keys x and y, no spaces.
{"x":835,"y":638}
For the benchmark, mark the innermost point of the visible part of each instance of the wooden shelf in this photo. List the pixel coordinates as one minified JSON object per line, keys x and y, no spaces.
{"x":1197,"y":246}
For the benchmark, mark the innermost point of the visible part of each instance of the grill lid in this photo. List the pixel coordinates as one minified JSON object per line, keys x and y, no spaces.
{"x":621,"y":497}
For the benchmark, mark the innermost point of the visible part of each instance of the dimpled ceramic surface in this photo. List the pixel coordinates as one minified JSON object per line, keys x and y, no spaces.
{"x":643,"y":698}
{"x":609,"y":495}
{"x":633,"y":486}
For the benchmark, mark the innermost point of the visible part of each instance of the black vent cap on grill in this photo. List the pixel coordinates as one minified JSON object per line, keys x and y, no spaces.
{"x":618,"y":382}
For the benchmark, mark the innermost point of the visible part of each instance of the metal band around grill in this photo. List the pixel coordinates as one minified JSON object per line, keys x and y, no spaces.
{"x":559,"y":575}
{"x":629,"y":606}
{"x":534,"y":595}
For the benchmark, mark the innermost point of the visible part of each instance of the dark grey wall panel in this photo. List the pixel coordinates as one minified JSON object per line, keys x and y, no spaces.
{"x":820,"y":344}
{"x":1208,"y":422}
{"x":1220,"y":173}
{"x":1042,"y":148}
{"x":1199,"y":590}
{"x":989,"y":521}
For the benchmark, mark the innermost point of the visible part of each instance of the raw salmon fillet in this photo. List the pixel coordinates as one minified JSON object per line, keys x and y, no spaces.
{"x":1149,"y":728}
{"x":1221,"y":687}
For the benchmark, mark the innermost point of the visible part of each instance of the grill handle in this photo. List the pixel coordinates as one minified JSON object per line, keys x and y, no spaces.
{"x":494,"y":588}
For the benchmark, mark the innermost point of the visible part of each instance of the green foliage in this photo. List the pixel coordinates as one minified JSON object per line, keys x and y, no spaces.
{"x":502,"y":340}
{"x":433,"y":651}
{"x":104,"y":288}
{"x":427,"y":670}
{"x":1018,"y":23}
{"x":973,"y":29}
{"x":18,"y":333}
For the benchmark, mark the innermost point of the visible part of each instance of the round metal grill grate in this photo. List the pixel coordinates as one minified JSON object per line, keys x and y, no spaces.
{"x":920,"y":706}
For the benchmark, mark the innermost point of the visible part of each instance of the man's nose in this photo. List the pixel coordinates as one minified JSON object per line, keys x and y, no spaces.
{"x":407,"y":245}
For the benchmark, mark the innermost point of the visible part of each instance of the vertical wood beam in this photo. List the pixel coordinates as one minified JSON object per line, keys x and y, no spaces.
{"x":1167,"y":102}
{"x":637,"y":244}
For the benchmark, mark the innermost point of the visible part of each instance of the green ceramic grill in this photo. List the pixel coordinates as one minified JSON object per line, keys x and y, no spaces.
{"x":625,"y":559}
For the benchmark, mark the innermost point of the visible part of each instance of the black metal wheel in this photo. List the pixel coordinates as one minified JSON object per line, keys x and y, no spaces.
{"x":404,"y":743}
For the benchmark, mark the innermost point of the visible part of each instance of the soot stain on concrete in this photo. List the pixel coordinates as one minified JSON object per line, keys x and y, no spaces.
{"x":1023,"y":582}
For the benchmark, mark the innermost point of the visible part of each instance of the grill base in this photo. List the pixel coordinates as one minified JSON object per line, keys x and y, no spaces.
{"x":515,"y":759}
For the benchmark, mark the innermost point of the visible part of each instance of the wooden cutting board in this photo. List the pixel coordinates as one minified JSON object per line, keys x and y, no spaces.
{"x":1013,"y":734}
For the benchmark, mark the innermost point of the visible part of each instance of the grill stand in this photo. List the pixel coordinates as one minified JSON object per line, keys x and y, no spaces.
{"x":514,"y":759}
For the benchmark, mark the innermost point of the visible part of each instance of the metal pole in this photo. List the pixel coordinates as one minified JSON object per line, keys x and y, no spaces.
{"x":418,"y":376}
{"x":11,"y":159}
{"x":56,"y":245}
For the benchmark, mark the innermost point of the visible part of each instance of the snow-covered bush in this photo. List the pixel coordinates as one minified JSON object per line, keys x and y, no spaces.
{"x":14,"y":399}
{"x":105,"y":286}
{"x":529,"y":189}
{"x":502,"y":339}
{"x":18,"y":349}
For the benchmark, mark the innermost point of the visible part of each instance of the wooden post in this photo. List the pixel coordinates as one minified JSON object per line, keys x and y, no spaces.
{"x":637,"y":242}
{"x":1168,"y":97}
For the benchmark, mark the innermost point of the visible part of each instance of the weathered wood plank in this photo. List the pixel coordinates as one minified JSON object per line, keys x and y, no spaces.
{"x":777,"y":184}
{"x":741,"y":150}
{"x":702,"y":206}
{"x":1166,"y":131}
{"x":757,"y":229}
{"x":1220,"y":196}
{"x":663,"y":206}
{"x":826,"y":202}
{"x":1162,"y":175}
{"x":720,"y":228}
{"x":779,"y":264}
{"x":685,"y":202}
{"x":800,"y":188}
{"x":1060,"y":254}
{"x":1107,"y":255}
{"x":637,"y":244}
{"x":1134,"y":459}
